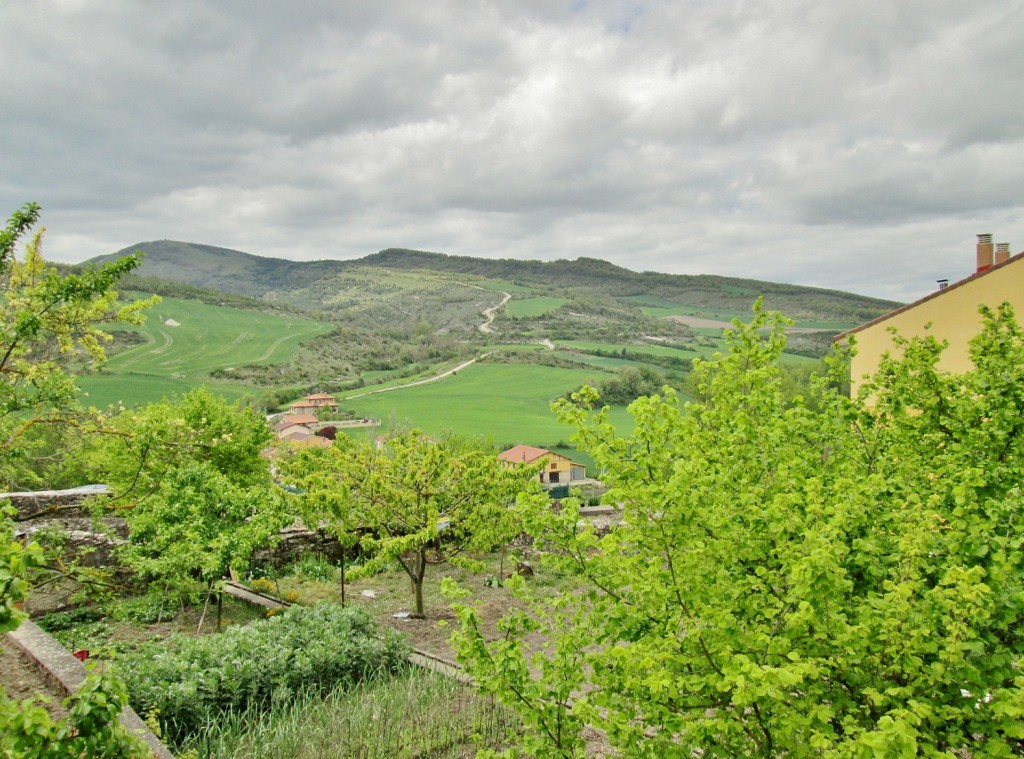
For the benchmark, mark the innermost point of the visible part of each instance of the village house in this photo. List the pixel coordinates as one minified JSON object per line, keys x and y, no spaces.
{"x":314,"y":402}
{"x":294,"y":427}
{"x":557,"y":469}
{"x":305,"y":439}
{"x":949,"y":313}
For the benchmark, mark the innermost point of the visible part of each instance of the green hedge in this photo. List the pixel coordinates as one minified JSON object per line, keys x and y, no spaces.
{"x":190,"y":681}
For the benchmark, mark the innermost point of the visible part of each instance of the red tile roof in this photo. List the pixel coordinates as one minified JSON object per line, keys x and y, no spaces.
{"x":522,"y":454}
{"x":299,"y":419}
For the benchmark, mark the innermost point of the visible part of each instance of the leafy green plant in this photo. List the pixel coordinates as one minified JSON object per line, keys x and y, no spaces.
{"x":793,"y":577}
{"x":141,"y":610}
{"x":313,"y":567}
{"x":66,"y":620}
{"x":192,"y":681}
{"x":91,"y":728}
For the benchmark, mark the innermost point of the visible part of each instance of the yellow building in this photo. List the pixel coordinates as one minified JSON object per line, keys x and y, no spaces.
{"x":951,"y":311}
{"x":557,"y":469}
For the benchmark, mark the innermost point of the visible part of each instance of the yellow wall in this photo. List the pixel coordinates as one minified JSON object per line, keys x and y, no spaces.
{"x":555,"y":462}
{"x":953,"y":314}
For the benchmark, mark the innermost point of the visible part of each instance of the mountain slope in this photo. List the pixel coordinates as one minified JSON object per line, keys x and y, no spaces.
{"x":318,"y":283}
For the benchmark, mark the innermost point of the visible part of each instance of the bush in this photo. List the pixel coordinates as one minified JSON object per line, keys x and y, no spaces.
{"x":67,"y":620}
{"x":314,"y":567}
{"x":190,"y":682}
{"x":141,"y":610}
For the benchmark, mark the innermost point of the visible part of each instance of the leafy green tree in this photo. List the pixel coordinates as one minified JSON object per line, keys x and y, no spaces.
{"x":47,"y":322}
{"x":319,"y":481}
{"x":193,"y":486}
{"x":418,"y":501}
{"x":793,"y":577}
{"x":153,"y":441}
{"x":628,"y":384}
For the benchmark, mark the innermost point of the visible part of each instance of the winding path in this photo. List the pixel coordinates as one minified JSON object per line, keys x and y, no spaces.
{"x":488,"y":314}
{"x":428,"y":380}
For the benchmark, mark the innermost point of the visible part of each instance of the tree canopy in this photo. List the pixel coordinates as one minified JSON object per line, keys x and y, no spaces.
{"x":190,"y":479}
{"x":48,"y":321}
{"x":808,"y":577}
{"x":417,"y":501}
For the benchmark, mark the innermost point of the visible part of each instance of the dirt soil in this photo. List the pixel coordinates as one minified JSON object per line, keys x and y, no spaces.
{"x":21,"y":679}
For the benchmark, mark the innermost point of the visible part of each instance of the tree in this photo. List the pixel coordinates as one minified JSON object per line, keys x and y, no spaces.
{"x":793,"y":577}
{"x":45,"y":321}
{"x":318,"y":478}
{"x":194,"y":489}
{"x":418,"y":501}
{"x":153,"y":441}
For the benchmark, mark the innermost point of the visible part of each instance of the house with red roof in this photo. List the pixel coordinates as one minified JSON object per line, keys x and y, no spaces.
{"x":315,"y":401}
{"x":556,"y":469}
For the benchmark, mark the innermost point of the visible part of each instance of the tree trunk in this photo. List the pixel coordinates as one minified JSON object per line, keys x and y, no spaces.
{"x":417,"y":581}
{"x":417,"y":587}
{"x":220,"y":607}
{"x":343,"y":577}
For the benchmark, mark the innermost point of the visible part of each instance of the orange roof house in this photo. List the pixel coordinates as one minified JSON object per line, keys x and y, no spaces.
{"x":310,"y":441}
{"x":315,"y":401}
{"x":949,"y":313}
{"x":303,"y":419}
{"x":556,"y":468}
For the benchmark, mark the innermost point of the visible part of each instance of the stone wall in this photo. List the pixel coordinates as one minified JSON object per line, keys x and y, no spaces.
{"x":63,"y":518}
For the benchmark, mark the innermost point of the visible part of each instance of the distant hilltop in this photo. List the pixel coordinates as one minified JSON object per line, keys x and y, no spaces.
{"x":233,"y":271}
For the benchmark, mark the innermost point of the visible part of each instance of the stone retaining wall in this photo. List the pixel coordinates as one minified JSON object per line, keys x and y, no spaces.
{"x":67,"y":673}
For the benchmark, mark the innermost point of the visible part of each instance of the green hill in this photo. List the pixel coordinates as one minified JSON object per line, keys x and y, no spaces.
{"x":399,"y":315}
{"x":185,"y":343}
{"x":317,"y":284}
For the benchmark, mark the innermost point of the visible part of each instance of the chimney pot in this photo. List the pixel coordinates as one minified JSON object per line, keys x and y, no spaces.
{"x":1002,"y":252}
{"x":985,"y":252}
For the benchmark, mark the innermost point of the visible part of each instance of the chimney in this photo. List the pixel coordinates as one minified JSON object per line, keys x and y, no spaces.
{"x":984,"y":252}
{"x":1002,"y":252}
{"x":943,"y":283}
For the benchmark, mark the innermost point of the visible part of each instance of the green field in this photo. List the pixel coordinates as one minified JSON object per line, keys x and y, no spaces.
{"x":508,"y":403}
{"x":176,"y":358}
{"x":650,"y":350}
{"x":533,"y":306}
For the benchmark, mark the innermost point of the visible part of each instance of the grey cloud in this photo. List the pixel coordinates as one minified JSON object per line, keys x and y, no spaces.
{"x":782,"y":141}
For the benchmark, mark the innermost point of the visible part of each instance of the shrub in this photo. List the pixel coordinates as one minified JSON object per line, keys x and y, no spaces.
{"x":302,"y":650}
{"x":142,"y":610}
{"x":312,"y":566}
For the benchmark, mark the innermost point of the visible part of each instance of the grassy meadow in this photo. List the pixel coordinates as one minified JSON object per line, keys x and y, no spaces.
{"x":185,"y":340}
{"x":508,"y":403}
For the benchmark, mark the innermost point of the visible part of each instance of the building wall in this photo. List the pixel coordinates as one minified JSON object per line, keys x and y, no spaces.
{"x":953,"y":315}
{"x":557,"y":464}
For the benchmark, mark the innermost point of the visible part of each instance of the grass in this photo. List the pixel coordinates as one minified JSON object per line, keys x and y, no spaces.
{"x":504,"y":402}
{"x":602,"y":362}
{"x":417,"y":714}
{"x":533,"y":306}
{"x":649,"y":350}
{"x":103,"y":390}
{"x":175,"y":359}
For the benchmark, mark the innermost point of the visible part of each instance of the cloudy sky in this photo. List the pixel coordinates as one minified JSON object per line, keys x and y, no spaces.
{"x":852,"y":145}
